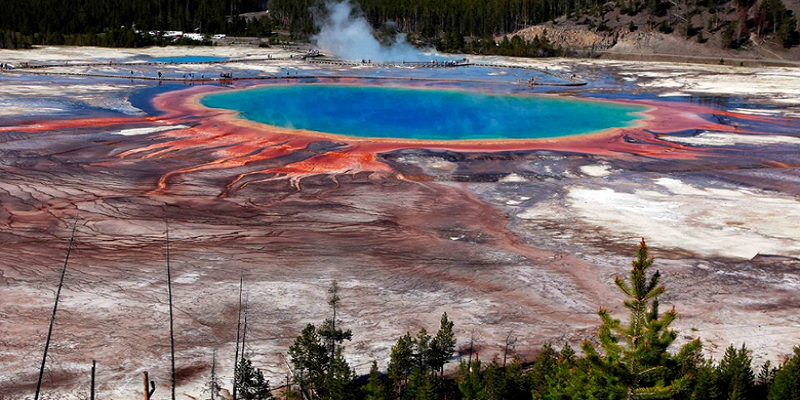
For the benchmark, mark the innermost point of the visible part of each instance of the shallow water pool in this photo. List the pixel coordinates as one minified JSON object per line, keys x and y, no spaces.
{"x":422,"y":114}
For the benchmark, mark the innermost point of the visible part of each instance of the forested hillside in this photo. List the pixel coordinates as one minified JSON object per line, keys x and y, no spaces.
{"x":469,"y":26}
{"x":25,"y":22}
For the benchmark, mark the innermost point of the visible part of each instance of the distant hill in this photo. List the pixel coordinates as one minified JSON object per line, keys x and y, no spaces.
{"x":765,"y":29}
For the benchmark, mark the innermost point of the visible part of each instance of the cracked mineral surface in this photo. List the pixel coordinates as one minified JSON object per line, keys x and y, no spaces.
{"x":505,"y":237}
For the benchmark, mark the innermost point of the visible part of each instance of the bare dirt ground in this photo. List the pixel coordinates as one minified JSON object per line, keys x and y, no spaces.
{"x":522,"y":242}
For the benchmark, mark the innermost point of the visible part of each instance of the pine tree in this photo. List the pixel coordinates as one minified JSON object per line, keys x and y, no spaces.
{"x":417,"y":381}
{"x":574,"y":379}
{"x":735,"y":378}
{"x":442,"y":346}
{"x":567,"y":354}
{"x":339,"y":380}
{"x":766,"y":375}
{"x":321,"y":370}
{"x":688,"y":361}
{"x":470,"y":381}
{"x":427,"y":390}
{"x":728,"y":39}
{"x":250,"y":382}
{"x":330,"y":334}
{"x":310,"y":359}
{"x":786,"y":385}
{"x":422,"y":350}
{"x":765,"y":378}
{"x":374,"y":389}
{"x":543,"y":367}
{"x":400,"y":363}
{"x":704,"y":383}
{"x":517,"y":383}
{"x":635,"y":355}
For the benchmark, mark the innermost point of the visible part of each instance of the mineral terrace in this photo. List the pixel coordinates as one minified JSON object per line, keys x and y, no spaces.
{"x":521,"y":240}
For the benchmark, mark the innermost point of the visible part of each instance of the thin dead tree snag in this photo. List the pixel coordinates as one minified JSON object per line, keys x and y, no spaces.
{"x":238,"y":334}
{"x":171,"y":330}
{"x":55,"y":307}
{"x":148,"y":389}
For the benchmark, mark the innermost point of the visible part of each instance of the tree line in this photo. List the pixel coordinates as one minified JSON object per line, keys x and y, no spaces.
{"x":449,"y":25}
{"x":112,"y":22}
{"x":119,"y":23}
{"x":628,"y":360}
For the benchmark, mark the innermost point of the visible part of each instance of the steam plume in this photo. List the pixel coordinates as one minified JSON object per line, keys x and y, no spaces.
{"x":347,"y":34}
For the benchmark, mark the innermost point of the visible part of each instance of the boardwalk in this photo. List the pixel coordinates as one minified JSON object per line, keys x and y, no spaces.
{"x":41,"y":69}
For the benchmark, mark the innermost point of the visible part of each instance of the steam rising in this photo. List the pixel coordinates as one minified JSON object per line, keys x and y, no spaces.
{"x":346,"y":33}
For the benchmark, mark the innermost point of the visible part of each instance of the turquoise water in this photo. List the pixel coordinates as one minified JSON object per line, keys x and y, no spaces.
{"x":187,"y":59}
{"x":427,"y":114}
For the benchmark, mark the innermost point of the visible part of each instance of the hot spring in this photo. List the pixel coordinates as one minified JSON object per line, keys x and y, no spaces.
{"x":422,"y":114}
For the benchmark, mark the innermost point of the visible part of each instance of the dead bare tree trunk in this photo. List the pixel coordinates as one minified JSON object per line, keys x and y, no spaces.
{"x":238,"y":333}
{"x":509,"y":343}
{"x":146,"y":383}
{"x":244,"y":328}
{"x":214,"y":374}
{"x":91,"y":391}
{"x":148,"y":390}
{"x":55,"y":307}
{"x":171,"y":330}
{"x":471,"y":347}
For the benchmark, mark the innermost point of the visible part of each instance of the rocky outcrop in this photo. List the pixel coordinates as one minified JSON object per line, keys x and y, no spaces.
{"x":568,"y":38}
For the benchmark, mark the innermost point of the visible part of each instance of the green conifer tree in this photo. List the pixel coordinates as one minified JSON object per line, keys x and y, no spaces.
{"x":573,"y":378}
{"x":339,"y":380}
{"x":735,"y":378}
{"x":765,"y":378}
{"x":635,"y":355}
{"x":704,"y":383}
{"x":427,"y":390}
{"x":786,"y":385}
{"x":250,"y":382}
{"x":442,"y":345}
{"x":321,"y":370}
{"x":543,"y":367}
{"x":422,"y":345}
{"x":310,"y":359}
{"x":374,"y":389}
{"x":400,"y":363}
{"x":495,"y":380}
{"x":567,"y":354}
{"x":517,"y":383}
{"x":471,"y":382}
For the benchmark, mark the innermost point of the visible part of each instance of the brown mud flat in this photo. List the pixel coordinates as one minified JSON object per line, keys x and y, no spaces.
{"x":500,"y":236}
